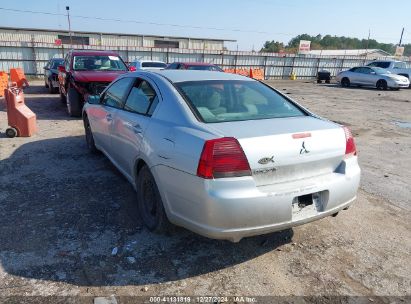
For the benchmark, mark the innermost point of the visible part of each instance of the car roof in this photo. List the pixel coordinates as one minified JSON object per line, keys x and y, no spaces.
{"x":193,"y":75}
{"x":94,"y":52}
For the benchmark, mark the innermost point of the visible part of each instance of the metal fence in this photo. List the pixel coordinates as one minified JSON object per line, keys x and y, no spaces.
{"x":32,"y":57}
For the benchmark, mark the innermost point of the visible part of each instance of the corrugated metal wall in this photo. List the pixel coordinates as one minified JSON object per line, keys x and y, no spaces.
{"x":32,"y":57}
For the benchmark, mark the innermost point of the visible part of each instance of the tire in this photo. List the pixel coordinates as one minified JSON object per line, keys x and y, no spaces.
{"x":327,"y":81}
{"x":382,"y":85}
{"x":50,"y":87}
{"x":345,"y":82}
{"x":74,"y":104}
{"x":11,"y":132}
{"x":150,"y":204}
{"x":46,"y":84}
{"x":89,"y":136}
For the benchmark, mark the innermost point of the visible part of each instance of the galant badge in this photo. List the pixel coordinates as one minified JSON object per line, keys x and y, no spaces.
{"x":266,"y":160}
{"x":303,"y":150}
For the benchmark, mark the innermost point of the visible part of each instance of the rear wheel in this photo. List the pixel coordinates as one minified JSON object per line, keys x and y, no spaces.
{"x":382,"y":84}
{"x":50,"y":87}
{"x":150,"y":204}
{"x":345,"y":82}
{"x":89,"y":136}
{"x":74,"y":104}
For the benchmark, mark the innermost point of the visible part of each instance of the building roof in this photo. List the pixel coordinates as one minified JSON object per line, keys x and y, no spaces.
{"x":107,"y":33}
{"x":358,"y":52}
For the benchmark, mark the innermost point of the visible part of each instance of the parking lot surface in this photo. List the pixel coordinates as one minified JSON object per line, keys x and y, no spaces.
{"x":70,"y":226}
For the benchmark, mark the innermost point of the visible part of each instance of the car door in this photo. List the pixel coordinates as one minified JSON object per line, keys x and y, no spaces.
{"x":361,"y":76}
{"x":101,"y":117}
{"x":131,"y":122}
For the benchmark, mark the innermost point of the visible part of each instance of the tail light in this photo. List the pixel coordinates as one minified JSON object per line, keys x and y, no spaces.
{"x":350,"y":148}
{"x":223,"y":157}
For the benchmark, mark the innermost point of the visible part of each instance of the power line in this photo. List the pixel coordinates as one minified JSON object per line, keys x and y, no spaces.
{"x":142,"y":22}
{"x":161,"y":24}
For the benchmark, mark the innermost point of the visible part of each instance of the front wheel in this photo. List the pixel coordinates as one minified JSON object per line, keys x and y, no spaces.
{"x":345,"y":82}
{"x":150,"y":204}
{"x":382,"y":85}
{"x":74,"y":104}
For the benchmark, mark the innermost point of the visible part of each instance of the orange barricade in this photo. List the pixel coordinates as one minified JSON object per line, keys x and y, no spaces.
{"x":21,"y":119}
{"x":243,"y":72}
{"x":4,"y":81}
{"x":17,"y":76}
{"x":257,"y":74}
{"x":232,"y":71}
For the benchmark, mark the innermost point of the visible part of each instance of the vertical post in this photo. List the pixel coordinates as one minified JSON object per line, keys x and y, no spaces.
{"x":151,"y":53}
{"x":167,"y":57}
{"x":33,"y":45}
{"x":69,"y":25}
{"x":265,"y":67}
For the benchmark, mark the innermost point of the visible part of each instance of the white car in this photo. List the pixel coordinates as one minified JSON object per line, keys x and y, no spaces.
{"x":393,"y":66}
{"x":223,"y":155}
{"x":148,"y":65}
{"x":373,"y":77}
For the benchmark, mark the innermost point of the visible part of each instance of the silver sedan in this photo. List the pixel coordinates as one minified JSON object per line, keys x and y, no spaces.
{"x":372,"y":76}
{"x":221,"y":154}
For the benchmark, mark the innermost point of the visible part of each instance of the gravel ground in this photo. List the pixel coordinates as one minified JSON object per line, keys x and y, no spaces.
{"x":64,"y":211}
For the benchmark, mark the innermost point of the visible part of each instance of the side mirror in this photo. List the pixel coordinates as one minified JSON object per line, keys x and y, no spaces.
{"x":93,"y":99}
{"x":61,"y":68}
{"x":46,"y":68}
{"x":132,"y":68}
{"x":373,"y":73}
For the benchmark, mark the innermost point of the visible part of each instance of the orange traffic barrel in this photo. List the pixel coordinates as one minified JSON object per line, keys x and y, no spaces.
{"x":4,"y":81}
{"x":17,"y":76}
{"x":21,"y":119}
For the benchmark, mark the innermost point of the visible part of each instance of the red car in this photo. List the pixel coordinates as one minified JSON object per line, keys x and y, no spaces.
{"x":194,"y":66}
{"x":87,"y":72}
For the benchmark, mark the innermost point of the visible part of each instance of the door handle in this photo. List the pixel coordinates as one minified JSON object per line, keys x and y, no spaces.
{"x":109,"y":117}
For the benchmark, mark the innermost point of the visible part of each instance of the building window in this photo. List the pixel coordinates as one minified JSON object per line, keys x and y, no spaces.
{"x":166,"y":44}
{"x":65,"y":39}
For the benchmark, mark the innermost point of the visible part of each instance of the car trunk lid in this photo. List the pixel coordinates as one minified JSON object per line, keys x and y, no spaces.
{"x":287,"y":149}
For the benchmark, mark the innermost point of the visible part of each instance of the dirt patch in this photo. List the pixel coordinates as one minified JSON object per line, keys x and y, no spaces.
{"x":63,"y":210}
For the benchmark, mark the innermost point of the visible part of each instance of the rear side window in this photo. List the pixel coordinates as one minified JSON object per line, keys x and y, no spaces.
{"x":400,"y":65}
{"x":228,"y":100}
{"x":142,"y":99}
{"x":116,"y":93}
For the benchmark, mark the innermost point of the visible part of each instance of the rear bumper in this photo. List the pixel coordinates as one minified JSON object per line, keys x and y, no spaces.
{"x":233,"y":208}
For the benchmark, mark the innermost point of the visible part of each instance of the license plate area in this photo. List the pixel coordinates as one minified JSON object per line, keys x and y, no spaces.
{"x":307,"y":205}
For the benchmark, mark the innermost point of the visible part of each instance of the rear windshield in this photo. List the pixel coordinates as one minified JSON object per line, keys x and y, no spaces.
{"x":204,"y":68}
{"x":98,"y":63}
{"x":56,"y":63}
{"x":232,"y":100}
{"x":153,"y":65}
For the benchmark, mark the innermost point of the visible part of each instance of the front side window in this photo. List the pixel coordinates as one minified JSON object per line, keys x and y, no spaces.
{"x":142,"y":98}
{"x":233,"y":100}
{"x":117,"y":92}
{"x":98,"y":63}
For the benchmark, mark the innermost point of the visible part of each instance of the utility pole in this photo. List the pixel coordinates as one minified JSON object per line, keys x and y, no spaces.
{"x":402,"y":33}
{"x":68,"y":18}
{"x":368,"y":41}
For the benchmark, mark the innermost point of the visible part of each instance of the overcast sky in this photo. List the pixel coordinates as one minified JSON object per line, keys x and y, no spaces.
{"x":249,"y":22}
